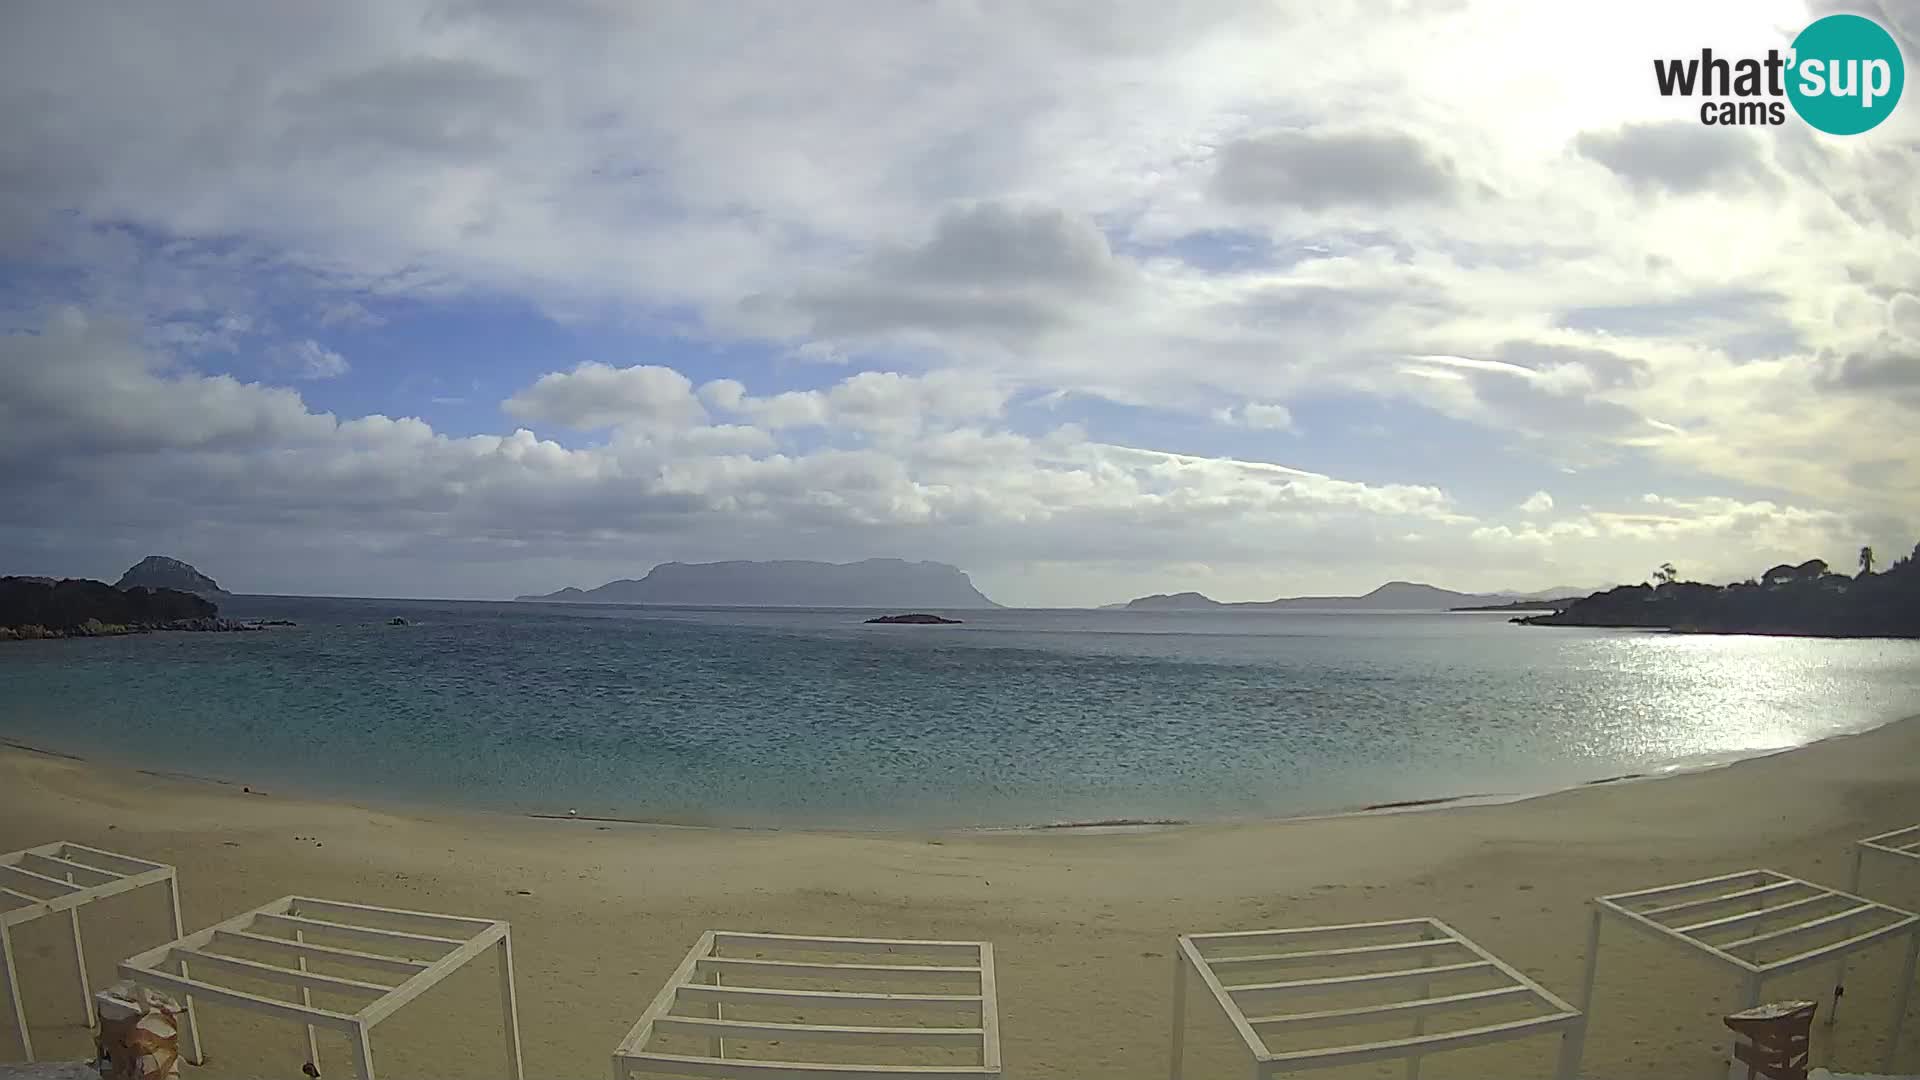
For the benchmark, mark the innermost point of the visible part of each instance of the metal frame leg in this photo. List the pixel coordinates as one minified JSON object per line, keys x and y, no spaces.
{"x":306,"y":998}
{"x":1573,"y":1044}
{"x":80,"y":965}
{"x":1900,"y":999}
{"x":1179,"y":1012}
{"x":1840,"y":965}
{"x":1593,"y":964}
{"x":13,"y":992}
{"x":362,"y":1037}
{"x":1425,"y":988}
{"x":187,"y":1017}
{"x":509,"y":1010}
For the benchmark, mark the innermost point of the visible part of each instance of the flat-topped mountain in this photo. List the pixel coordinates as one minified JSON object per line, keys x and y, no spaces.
{"x":160,"y":572}
{"x":1393,"y":596}
{"x":1180,"y":601}
{"x":888,"y":583}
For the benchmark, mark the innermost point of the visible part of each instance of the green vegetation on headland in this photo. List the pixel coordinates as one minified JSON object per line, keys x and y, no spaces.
{"x":1808,"y":599}
{"x":32,"y":608}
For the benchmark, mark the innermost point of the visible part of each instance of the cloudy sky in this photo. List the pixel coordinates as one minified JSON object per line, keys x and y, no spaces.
{"x":474,"y":298}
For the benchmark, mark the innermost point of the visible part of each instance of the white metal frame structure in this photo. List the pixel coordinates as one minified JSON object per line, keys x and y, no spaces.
{"x":46,"y":880}
{"x":1422,"y":951}
{"x":720,"y":973}
{"x":420,"y":948}
{"x":1898,"y":844}
{"x":1756,"y":922}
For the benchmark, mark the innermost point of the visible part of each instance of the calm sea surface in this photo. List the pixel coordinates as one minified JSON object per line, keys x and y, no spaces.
{"x":810,"y":718}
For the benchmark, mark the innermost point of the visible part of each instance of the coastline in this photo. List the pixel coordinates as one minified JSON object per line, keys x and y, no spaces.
{"x":1083,"y":919}
{"x":1411,"y":804}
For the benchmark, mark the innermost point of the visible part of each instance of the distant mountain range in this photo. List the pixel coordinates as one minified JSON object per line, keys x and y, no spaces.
{"x":1393,"y":596}
{"x":876,"y":583}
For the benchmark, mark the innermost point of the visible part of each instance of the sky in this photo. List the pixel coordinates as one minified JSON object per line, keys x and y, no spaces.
{"x":473,"y":298}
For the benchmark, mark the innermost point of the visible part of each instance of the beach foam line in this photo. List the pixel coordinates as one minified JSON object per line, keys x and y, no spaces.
{"x":31,"y":749}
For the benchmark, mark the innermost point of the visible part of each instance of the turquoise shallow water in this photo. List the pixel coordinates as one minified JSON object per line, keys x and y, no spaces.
{"x":810,"y":718}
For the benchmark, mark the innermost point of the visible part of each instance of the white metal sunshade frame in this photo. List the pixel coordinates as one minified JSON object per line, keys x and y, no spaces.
{"x":715,"y":971}
{"x":1900,"y":844}
{"x":1433,"y":951}
{"x":1722,"y":917}
{"x":309,"y":925}
{"x":62,"y":877}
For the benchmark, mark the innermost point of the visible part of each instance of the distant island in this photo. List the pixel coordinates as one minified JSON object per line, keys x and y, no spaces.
{"x":1806,"y":599}
{"x":870,"y":583}
{"x":161,"y":572}
{"x":1393,"y":596}
{"x":915,"y":619}
{"x":1552,"y":603}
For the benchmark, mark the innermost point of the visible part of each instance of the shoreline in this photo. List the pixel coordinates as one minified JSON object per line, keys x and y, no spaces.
{"x":1083,"y":920}
{"x":1420,"y":804}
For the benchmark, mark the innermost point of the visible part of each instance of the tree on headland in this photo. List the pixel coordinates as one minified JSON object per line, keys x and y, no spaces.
{"x":1803,"y":599}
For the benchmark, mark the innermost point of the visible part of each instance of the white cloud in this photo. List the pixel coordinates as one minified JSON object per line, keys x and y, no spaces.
{"x":311,"y":360}
{"x":1537,"y":503}
{"x":1274,"y":417}
{"x":595,"y":395}
{"x":1269,"y":416}
{"x":876,"y":402}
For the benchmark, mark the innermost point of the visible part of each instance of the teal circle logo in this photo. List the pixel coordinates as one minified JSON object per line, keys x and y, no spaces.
{"x":1847,"y":74}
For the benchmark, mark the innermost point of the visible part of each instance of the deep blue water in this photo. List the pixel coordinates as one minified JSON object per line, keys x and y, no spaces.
{"x":810,"y":718}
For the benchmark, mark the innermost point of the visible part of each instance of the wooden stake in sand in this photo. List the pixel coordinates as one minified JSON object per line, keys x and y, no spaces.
{"x":62,"y":878}
{"x":394,"y":956}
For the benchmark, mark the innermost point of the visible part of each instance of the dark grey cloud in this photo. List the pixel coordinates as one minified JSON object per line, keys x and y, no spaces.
{"x":1679,"y":156}
{"x":1320,"y":169}
{"x":1903,"y":315}
{"x":1006,"y":271}
{"x":424,"y":105}
{"x":1541,"y":390}
{"x":1870,"y":181}
{"x":1888,"y":368}
{"x":995,"y":244}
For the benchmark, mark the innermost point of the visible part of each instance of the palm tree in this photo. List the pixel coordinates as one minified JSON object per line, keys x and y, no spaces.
{"x":1866,"y":561}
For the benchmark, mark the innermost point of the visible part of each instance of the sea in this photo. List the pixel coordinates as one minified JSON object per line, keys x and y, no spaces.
{"x":807,"y":718}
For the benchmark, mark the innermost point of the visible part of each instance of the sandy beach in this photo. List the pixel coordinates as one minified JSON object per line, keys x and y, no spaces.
{"x":1083,"y":920}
